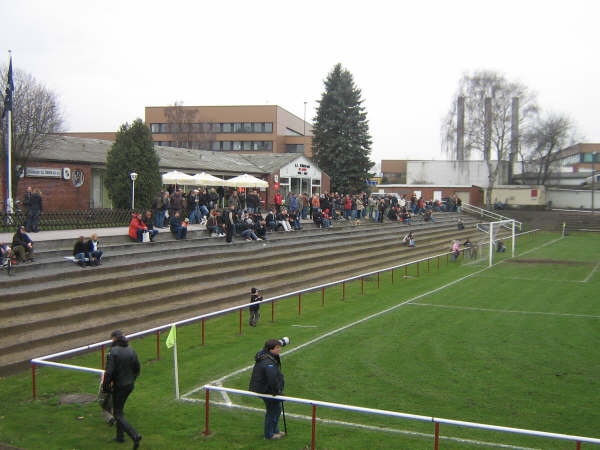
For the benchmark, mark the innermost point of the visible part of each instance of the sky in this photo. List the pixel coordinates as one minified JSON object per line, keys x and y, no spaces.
{"x":107,"y":60}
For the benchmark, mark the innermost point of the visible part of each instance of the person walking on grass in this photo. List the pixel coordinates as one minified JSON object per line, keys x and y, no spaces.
{"x":122,"y":369}
{"x":254,"y":309}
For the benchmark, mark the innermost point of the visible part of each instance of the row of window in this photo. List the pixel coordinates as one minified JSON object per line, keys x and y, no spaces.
{"x":213,"y":127}
{"x":221,"y":146}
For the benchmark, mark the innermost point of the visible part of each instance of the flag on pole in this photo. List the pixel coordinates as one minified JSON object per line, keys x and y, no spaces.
{"x":10,"y":87}
{"x":172,"y":337}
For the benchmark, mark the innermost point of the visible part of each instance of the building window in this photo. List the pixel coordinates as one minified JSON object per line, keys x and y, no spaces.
{"x":268,"y":127}
{"x":294,"y":148}
{"x":247,"y":127}
{"x":226,"y":145}
{"x":236,"y":146}
{"x":216,"y":128}
{"x":246,"y":145}
{"x":226,"y":127}
{"x":155,"y":127}
{"x":216,"y":146}
{"x":164,"y":128}
{"x":237,"y":127}
{"x":268,"y":145}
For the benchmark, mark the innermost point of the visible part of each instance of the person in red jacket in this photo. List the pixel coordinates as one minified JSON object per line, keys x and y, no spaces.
{"x":137,"y":228}
{"x":278,"y":201}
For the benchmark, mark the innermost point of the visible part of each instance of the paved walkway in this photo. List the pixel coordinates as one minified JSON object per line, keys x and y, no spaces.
{"x":57,"y":235}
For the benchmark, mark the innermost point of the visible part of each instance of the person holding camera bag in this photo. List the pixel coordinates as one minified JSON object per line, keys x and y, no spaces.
{"x":267,"y":378}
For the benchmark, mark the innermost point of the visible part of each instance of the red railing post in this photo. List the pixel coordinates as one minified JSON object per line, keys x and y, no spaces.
{"x":578,"y":445}
{"x":33,"y":387}
{"x":378,"y":280}
{"x":158,"y":345}
{"x":203,"y":320}
{"x":241,"y":318}
{"x":427,"y":265}
{"x":438,"y":262}
{"x":405,"y":271}
{"x":322,"y":296}
{"x":343,"y":290}
{"x":362,"y":286}
{"x":436,"y":441}
{"x":300,"y":304}
{"x":313,"y":440}
{"x":418,"y":272}
{"x":272,"y":311}
{"x":206,"y":412}
{"x":393,"y":276}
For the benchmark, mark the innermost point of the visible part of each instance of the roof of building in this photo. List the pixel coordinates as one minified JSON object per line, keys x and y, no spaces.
{"x":94,"y":151}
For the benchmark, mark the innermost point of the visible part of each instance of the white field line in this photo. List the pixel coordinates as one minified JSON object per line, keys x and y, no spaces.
{"x":546,"y":280}
{"x":508,"y":311}
{"x":368,"y":427}
{"x":594,"y":270}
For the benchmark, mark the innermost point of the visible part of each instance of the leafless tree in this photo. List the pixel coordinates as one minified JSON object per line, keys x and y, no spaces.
{"x":476,"y":88}
{"x":543,"y":141}
{"x":185,"y":129}
{"x":36,"y":115}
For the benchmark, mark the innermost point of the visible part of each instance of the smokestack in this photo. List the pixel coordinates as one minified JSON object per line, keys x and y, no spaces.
{"x":460,"y":129}
{"x":514,"y":137}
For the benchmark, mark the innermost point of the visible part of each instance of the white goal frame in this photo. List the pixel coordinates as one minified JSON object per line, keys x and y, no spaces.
{"x":494,"y":227}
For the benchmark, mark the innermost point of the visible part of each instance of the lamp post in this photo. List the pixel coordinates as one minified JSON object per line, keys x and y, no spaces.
{"x":133,"y":176}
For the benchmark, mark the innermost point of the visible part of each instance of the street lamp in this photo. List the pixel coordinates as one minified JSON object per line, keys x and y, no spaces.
{"x":133,"y":176}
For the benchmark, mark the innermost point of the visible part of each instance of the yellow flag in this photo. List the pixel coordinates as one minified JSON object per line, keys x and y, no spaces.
{"x":172,"y":337}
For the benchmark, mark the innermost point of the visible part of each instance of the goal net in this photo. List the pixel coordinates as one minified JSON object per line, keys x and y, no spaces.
{"x":500,"y":235}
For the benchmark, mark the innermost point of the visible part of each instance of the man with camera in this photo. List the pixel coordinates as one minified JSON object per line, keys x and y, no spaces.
{"x":267,"y":378}
{"x":256,"y":296}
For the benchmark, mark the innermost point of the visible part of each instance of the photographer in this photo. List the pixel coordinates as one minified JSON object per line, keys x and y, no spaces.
{"x":254,"y":309}
{"x":267,"y":378}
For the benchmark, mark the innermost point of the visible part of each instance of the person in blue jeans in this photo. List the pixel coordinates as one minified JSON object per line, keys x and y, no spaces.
{"x":178,"y":226}
{"x":267,"y":378}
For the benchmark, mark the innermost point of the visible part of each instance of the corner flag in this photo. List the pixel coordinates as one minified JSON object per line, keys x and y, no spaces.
{"x":172,"y":337}
{"x":10,"y":87}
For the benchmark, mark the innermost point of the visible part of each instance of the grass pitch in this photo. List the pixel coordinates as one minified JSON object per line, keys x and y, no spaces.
{"x":515,"y":345}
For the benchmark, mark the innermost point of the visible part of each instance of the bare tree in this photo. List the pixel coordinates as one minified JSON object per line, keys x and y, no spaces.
{"x":543,"y":141}
{"x":36,"y":115}
{"x":477,"y":89}
{"x":185,"y":129}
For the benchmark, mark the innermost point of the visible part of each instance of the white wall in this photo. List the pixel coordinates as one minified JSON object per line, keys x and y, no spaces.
{"x":449,"y":173}
{"x":573,"y":199}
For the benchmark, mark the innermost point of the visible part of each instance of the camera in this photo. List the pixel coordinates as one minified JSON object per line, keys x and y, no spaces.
{"x":284,"y":341}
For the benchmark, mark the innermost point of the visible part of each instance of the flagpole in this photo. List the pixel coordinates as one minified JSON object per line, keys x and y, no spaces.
{"x":8,"y":111}
{"x":175,"y":368}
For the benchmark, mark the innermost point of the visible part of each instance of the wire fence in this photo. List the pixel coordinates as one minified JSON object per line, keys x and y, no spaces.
{"x":69,"y":220}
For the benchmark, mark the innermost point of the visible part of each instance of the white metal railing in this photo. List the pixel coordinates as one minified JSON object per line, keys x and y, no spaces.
{"x":381,"y":412}
{"x":487,"y":214}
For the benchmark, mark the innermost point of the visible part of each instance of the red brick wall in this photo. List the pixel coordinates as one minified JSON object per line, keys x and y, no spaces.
{"x":58,"y":194}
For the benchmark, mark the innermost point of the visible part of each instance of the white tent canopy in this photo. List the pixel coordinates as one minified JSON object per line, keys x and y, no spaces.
{"x":246,"y":180}
{"x":206,"y":179}
{"x":176,"y":177}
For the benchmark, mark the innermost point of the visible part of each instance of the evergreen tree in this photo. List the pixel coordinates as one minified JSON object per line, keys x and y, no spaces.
{"x":341,"y":143}
{"x":133,"y":151}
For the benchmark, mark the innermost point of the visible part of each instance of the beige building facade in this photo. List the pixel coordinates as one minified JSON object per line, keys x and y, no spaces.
{"x":242,"y":129}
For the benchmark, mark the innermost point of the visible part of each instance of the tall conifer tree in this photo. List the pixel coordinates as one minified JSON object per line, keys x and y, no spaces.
{"x":342,"y":143}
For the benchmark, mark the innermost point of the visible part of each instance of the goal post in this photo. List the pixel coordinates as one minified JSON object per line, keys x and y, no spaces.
{"x":496,"y":243}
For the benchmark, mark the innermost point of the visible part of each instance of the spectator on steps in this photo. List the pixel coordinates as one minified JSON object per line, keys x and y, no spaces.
{"x":22,"y":245}
{"x":81,"y":252}
{"x":137,"y":228}
{"x":149,"y":222}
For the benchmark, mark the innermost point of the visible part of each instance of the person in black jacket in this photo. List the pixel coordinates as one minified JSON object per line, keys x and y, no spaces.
{"x":122,"y":369}
{"x":256,"y":296}
{"x":267,"y":378}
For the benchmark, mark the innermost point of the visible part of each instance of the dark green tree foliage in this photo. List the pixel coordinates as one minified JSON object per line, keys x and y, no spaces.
{"x":133,"y":151}
{"x":341,"y":143}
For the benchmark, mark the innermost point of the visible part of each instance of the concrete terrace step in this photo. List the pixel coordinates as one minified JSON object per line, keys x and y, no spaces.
{"x":58,"y":308}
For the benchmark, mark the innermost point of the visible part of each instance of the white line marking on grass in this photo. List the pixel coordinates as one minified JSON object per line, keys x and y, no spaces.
{"x":368,"y":427}
{"x":508,"y":311}
{"x":305,"y":326}
{"x":546,"y":280}
{"x":594,"y":270}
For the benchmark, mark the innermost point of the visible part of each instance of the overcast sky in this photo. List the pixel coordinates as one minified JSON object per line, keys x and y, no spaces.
{"x":109,"y":59}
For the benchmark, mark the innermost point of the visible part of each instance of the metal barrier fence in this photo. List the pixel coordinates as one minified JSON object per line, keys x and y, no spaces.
{"x":68,"y":220}
{"x":381,"y":412}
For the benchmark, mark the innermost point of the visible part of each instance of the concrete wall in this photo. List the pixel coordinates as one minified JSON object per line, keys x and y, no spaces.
{"x":532,"y":195}
{"x":573,"y":199}
{"x":450,"y":173}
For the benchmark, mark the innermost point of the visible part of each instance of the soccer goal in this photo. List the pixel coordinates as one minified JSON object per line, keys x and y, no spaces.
{"x":498,"y":232}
